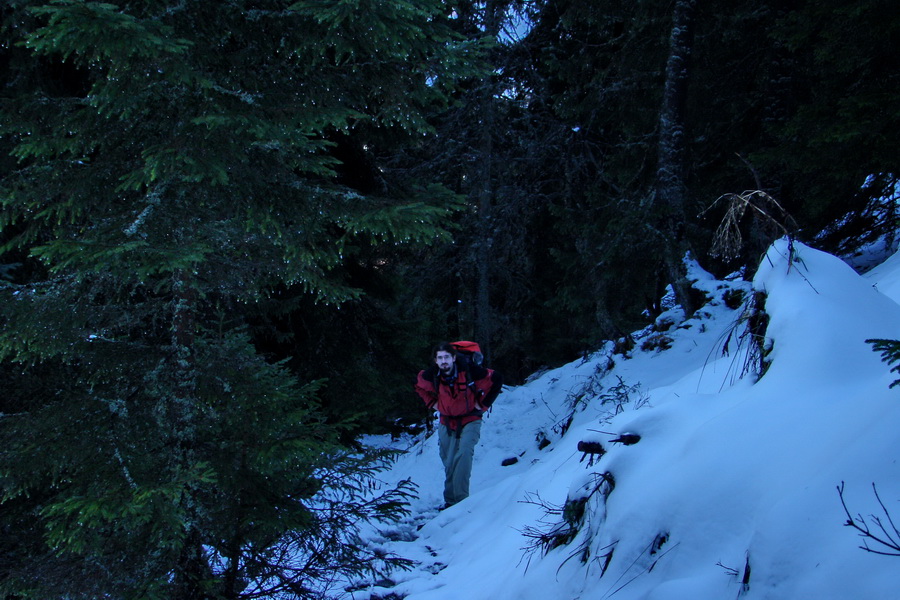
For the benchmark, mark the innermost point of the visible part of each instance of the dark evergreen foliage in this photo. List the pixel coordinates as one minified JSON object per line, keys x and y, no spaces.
{"x":177,"y":182}
{"x":890,"y":353}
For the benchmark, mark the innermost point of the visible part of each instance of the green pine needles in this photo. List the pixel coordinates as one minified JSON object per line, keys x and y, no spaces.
{"x":173,"y":166}
{"x":890,"y":353}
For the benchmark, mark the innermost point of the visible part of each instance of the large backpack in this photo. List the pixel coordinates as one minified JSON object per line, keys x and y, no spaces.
{"x":470,"y":350}
{"x":475,"y":369}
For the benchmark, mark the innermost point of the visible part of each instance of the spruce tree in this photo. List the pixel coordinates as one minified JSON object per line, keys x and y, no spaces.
{"x":175,"y":167}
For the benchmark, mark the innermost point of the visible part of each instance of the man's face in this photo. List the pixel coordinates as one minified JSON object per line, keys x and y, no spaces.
{"x":444,"y":361}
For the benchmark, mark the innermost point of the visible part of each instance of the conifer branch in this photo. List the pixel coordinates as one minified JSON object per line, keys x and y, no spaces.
{"x":890,"y":353}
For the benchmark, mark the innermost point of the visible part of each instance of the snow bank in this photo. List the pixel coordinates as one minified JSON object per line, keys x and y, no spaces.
{"x":731,"y":490}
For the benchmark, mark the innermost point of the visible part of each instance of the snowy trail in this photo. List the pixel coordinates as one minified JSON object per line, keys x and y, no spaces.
{"x":730,"y":480}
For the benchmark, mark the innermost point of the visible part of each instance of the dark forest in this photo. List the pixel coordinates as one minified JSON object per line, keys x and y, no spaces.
{"x":232,"y":231}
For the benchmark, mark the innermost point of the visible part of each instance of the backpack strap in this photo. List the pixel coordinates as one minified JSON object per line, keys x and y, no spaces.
{"x":436,"y":381}
{"x":470,"y":385}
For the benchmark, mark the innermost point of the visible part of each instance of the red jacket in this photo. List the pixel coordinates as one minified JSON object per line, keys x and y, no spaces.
{"x":458,"y":403}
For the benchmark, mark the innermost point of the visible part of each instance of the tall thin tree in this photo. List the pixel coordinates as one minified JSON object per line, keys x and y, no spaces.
{"x":671,"y":185}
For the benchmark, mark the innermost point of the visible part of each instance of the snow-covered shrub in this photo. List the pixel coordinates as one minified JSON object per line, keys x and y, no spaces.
{"x":561,"y":525}
{"x":656,"y":342}
{"x":734,"y":298}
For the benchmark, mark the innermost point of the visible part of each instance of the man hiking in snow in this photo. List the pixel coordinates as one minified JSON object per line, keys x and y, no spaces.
{"x":461,"y":390}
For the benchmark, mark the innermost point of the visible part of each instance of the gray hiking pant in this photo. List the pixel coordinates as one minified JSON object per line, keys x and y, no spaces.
{"x":457,"y":454}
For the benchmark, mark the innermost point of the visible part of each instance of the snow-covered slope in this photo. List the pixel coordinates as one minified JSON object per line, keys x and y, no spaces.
{"x":732,"y":489}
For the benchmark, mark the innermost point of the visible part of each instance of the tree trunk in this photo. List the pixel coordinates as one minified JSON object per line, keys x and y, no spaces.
{"x":670,"y":176}
{"x":483,"y":313}
{"x":192,"y":569}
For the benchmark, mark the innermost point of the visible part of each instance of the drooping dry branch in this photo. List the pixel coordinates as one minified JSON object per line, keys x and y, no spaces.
{"x":728,"y":239}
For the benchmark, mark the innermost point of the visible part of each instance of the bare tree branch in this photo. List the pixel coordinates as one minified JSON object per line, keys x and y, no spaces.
{"x":887,"y":539}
